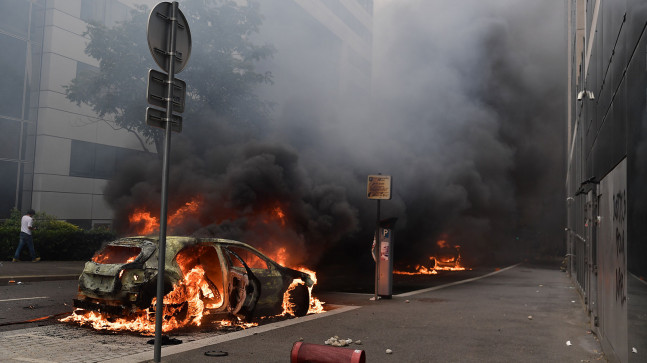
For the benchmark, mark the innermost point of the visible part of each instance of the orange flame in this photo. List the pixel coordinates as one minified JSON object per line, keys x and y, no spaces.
{"x":316,"y":305}
{"x":145,"y":224}
{"x":438,"y":263}
{"x":281,"y":256}
{"x":181,"y":214}
{"x":182,"y":307}
{"x":278,"y":212}
{"x":442,"y":244}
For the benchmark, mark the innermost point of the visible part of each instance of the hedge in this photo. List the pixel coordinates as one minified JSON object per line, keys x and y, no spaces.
{"x":57,"y":245}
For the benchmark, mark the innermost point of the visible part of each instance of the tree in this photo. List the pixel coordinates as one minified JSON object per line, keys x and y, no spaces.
{"x":220,"y":74}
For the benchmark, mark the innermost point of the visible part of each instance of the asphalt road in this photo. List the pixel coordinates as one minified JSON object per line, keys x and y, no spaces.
{"x":23,"y":301}
{"x":38,"y":297}
{"x":523,"y":313}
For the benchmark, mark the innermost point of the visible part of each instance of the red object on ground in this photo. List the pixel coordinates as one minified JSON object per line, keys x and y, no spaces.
{"x":315,"y":353}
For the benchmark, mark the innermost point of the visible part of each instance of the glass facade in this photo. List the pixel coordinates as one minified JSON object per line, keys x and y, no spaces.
{"x":21,"y":35}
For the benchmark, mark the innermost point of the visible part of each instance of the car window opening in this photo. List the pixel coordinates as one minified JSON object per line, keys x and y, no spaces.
{"x":252,"y":260}
{"x":112,"y":254}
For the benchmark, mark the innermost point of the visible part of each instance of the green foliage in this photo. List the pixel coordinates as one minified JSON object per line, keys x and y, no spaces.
{"x":220,"y":74}
{"x":58,"y":245}
{"x":46,"y":222}
{"x":42,"y":221}
{"x":14,"y":219}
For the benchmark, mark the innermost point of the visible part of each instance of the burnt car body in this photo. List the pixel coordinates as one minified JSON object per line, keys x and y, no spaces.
{"x":122,"y":277}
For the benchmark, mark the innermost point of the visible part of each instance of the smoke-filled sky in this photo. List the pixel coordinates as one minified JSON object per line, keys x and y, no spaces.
{"x":467,"y":115}
{"x":473,"y":94}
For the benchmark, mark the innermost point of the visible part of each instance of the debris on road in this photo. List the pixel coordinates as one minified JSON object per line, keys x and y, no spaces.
{"x":529,"y":317}
{"x":568,"y":342}
{"x":389,"y":351}
{"x":336,"y":342}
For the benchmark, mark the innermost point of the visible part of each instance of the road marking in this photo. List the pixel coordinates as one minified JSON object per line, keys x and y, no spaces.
{"x":31,"y":360}
{"x":26,"y":298}
{"x":455,"y":283}
{"x":197,"y":344}
{"x":12,"y":277}
{"x":638,"y":278}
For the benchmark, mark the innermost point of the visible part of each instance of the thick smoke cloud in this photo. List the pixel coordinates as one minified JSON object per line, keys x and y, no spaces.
{"x":467,"y":116}
{"x":473,"y":94}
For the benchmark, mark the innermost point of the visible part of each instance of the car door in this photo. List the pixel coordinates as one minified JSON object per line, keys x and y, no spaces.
{"x":243,"y":288}
{"x":272,"y":283}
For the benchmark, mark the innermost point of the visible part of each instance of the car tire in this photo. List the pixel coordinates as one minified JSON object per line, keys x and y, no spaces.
{"x":300,"y":297}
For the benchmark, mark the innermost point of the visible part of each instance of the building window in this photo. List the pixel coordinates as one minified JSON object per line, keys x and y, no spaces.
{"x":90,"y":160}
{"x":106,"y":12}
{"x":8,"y":183}
{"x":14,"y":17}
{"x":12,"y":63}
{"x":92,"y":11}
{"x":85,"y":68}
{"x":9,"y":139}
{"x":349,"y":19}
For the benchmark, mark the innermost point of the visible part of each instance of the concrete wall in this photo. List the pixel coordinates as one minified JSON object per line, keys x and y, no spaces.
{"x":606,"y":202}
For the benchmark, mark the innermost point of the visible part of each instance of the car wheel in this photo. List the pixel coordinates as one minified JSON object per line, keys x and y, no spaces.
{"x":300,"y":297}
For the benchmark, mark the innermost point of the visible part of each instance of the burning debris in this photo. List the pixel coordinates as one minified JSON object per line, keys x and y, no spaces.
{"x":448,"y":259}
{"x":206,"y":279}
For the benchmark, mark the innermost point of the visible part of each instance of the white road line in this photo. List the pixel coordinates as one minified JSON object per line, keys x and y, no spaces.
{"x":12,"y":277}
{"x":31,"y":360}
{"x":26,"y":298}
{"x":638,"y":278}
{"x":455,"y":283}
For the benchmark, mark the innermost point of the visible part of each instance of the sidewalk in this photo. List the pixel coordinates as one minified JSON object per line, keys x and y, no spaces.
{"x":39,"y":271}
{"x":519,"y":314}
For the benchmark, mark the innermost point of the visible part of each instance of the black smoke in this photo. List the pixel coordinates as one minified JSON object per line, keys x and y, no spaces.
{"x":467,"y":116}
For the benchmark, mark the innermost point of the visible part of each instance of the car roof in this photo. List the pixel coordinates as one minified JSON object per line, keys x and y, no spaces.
{"x":176,"y":243}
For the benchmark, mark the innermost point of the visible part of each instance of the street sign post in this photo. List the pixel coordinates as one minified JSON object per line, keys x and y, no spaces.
{"x":169,"y":41}
{"x":378,"y":187}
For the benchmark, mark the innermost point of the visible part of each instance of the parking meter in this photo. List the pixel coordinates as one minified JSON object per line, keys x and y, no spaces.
{"x":384,"y":257}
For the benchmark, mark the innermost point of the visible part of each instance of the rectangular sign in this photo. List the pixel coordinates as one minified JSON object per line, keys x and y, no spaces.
{"x":155,"y":118}
{"x":158,"y":88}
{"x":378,"y":187}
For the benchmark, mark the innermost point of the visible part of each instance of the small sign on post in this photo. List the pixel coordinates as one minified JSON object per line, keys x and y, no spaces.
{"x":158,"y":90}
{"x":378,"y":187}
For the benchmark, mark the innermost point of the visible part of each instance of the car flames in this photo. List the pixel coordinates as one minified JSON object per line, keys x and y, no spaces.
{"x":192,"y":297}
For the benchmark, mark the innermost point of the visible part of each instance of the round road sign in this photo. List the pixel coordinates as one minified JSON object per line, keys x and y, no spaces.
{"x":159,"y":34}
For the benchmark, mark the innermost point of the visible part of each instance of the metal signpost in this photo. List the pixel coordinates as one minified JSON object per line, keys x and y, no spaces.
{"x":378,"y":187}
{"x":169,"y":41}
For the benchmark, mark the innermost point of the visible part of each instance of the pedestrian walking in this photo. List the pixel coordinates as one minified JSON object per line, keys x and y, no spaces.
{"x":26,"y":227}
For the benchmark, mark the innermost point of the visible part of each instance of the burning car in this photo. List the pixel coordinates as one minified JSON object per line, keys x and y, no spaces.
{"x":202,"y":276}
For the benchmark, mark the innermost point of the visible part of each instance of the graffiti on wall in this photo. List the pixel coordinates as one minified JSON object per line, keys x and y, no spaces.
{"x":619,"y":225}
